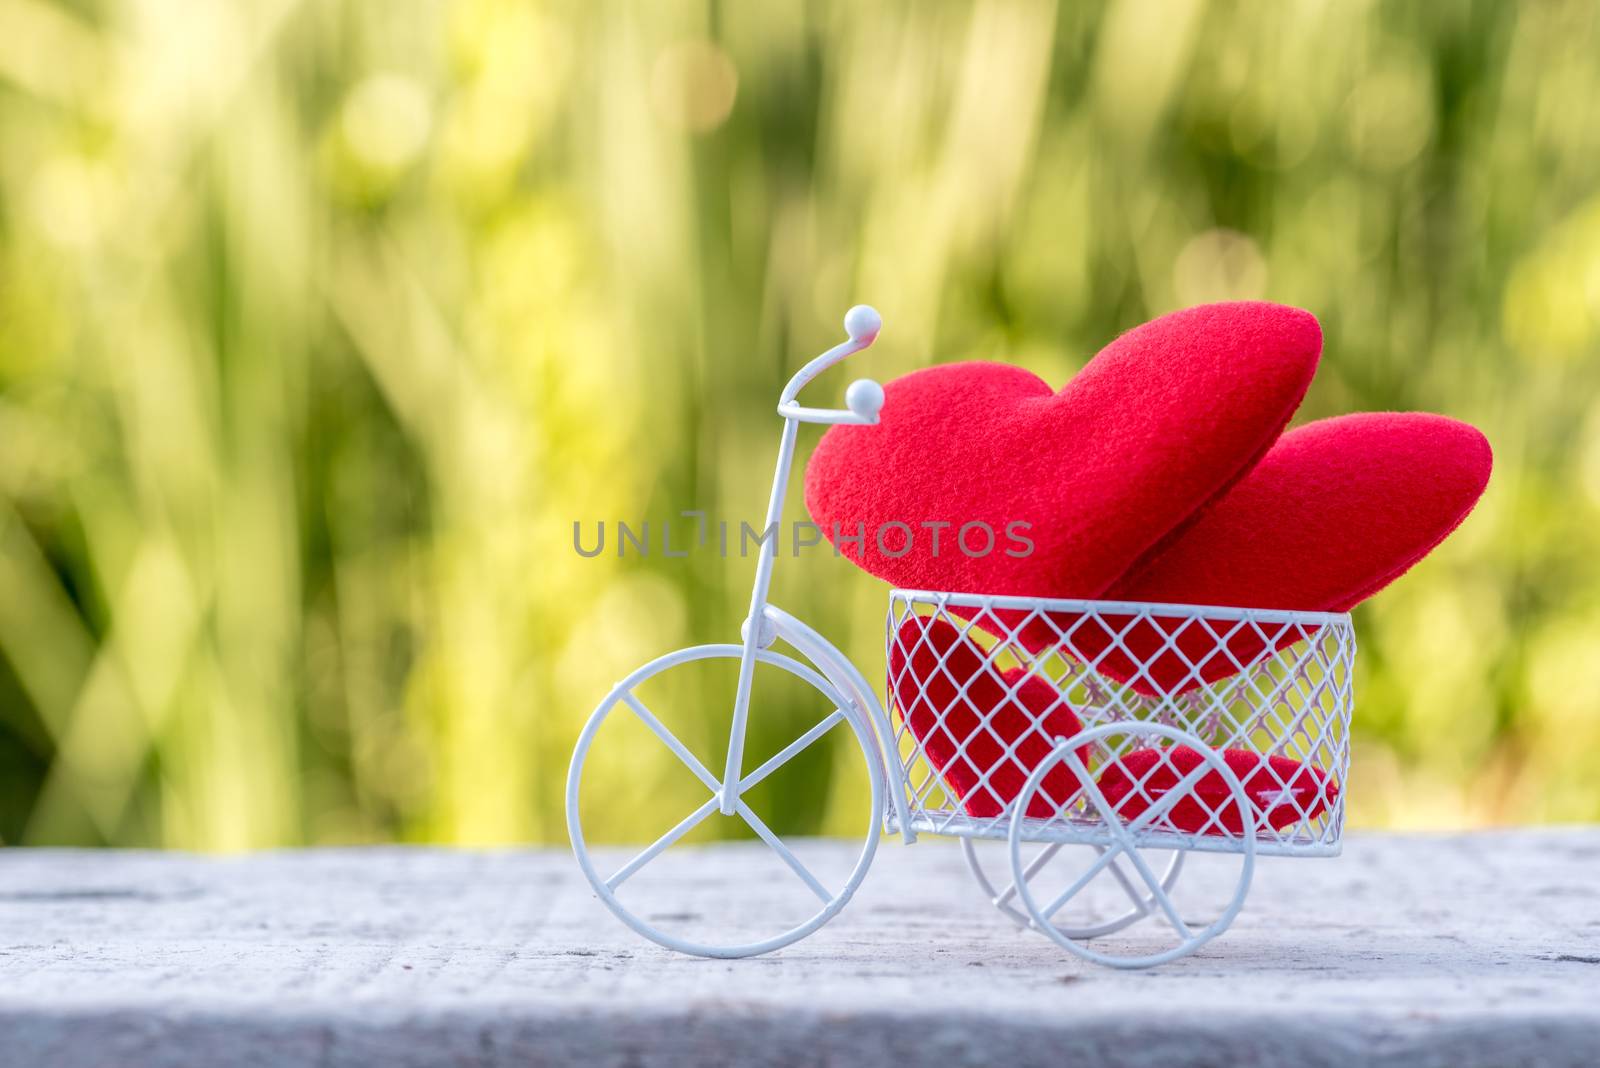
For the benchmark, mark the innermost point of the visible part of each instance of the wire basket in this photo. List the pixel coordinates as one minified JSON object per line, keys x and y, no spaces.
{"x":985,"y":689}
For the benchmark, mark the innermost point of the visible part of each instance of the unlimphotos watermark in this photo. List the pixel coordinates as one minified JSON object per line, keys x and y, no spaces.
{"x":893,"y":539}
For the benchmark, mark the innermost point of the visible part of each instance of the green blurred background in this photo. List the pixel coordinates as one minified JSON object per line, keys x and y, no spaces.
{"x":321,"y":322}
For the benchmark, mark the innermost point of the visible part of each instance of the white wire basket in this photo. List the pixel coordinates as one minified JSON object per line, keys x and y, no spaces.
{"x":985,"y":689}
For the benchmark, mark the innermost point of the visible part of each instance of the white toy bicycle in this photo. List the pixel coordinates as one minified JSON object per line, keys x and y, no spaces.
{"x":1245,"y":753}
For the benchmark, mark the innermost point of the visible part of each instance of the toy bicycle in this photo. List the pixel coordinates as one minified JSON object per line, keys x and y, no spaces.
{"x":1193,"y":729}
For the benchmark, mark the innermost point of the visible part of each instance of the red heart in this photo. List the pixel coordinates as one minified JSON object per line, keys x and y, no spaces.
{"x":1333,"y":513}
{"x":1161,"y":421}
{"x":1280,"y":790}
{"x":965,"y":732}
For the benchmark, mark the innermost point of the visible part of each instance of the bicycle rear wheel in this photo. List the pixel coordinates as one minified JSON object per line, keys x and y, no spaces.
{"x":1005,"y":898}
{"x":1132,"y":832}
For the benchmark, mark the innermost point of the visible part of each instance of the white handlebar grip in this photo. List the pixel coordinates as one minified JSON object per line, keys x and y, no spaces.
{"x":862,"y":323}
{"x":864,"y":398}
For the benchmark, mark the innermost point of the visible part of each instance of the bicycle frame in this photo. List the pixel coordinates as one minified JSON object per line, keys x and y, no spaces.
{"x":863,"y":398}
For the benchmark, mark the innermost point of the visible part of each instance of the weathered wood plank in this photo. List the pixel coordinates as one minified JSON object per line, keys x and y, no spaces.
{"x":1459,"y":951}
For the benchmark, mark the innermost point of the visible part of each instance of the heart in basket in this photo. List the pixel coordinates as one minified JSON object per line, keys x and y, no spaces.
{"x":983,"y":729}
{"x":1097,"y":475}
{"x":1281,"y":791}
{"x":1334,"y":512}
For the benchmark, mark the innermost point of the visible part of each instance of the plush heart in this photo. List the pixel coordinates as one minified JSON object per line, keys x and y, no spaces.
{"x":980,"y":478}
{"x":1334,"y":512}
{"x":1281,"y":790}
{"x":965,"y":713}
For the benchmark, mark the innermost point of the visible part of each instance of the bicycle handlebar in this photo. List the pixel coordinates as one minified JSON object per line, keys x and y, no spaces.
{"x":863,"y":398}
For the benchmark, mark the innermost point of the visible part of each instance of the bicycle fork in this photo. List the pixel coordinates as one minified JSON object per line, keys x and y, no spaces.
{"x":729,"y":801}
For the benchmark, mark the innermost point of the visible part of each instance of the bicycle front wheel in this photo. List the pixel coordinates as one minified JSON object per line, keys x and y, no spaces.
{"x":715,"y":902}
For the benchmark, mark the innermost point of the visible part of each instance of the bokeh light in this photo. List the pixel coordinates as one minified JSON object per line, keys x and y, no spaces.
{"x":320,"y":325}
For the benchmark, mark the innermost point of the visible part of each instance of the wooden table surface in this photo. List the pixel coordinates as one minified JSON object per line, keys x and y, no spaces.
{"x":1479,"y":949}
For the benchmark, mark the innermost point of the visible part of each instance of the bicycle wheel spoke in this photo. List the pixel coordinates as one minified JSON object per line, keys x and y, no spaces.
{"x":1160,"y":895}
{"x":1171,"y":798}
{"x":784,"y":853}
{"x":1127,"y":886}
{"x":1027,"y":873}
{"x":1082,"y":881}
{"x":670,"y":740}
{"x":826,"y":724}
{"x":654,"y":849}
{"x":1091,"y":790}
{"x":1157,"y":809}
{"x":1124,"y":836}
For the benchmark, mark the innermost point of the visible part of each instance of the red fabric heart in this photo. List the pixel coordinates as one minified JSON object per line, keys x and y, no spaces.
{"x":1164,"y":419}
{"x":965,"y":732}
{"x":1334,"y":512}
{"x":1280,"y":789}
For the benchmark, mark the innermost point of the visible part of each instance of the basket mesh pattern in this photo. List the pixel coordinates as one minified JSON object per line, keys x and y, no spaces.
{"x":982,"y":688}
